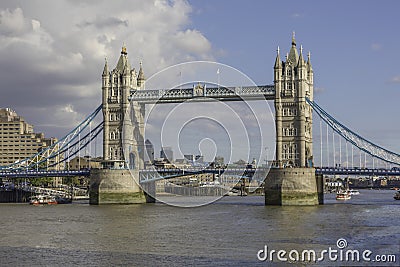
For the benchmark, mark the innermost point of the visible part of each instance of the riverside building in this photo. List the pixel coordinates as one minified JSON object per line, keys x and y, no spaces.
{"x":18,"y":140}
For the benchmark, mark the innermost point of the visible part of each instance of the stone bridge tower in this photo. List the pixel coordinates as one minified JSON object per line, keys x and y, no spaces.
{"x":123,"y":125}
{"x":292,"y":181}
{"x":293,"y":80}
{"x":118,"y":181}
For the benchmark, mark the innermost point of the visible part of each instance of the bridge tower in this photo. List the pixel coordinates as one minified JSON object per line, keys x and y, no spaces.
{"x":292,"y":181}
{"x":118,"y":180}
{"x":293,"y":80}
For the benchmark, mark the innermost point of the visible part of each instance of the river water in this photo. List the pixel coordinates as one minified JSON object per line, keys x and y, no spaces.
{"x":229,"y":232}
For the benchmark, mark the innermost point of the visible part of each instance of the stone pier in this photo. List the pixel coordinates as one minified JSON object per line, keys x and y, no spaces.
{"x":115,"y":186}
{"x":293,"y":187}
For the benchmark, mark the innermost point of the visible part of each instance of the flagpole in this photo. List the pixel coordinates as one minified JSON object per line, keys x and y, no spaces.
{"x":218,"y":78}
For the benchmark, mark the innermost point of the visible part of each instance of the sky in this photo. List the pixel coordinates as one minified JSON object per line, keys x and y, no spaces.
{"x":52,"y":52}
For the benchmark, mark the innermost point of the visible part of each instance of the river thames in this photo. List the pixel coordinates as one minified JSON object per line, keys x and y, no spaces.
{"x":229,"y":232}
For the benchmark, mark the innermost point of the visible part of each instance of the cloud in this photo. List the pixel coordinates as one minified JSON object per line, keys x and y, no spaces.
{"x":107,"y":22}
{"x":395,"y":79}
{"x":376,"y":46}
{"x":52,"y":59}
{"x":297,"y":15}
{"x":319,"y":90}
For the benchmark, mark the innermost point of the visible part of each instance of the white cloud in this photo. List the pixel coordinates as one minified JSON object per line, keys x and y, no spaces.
{"x":55,"y":56}
{"x":319,"y":90}
{"x":395,"y":79}
{"x":376,"y":46}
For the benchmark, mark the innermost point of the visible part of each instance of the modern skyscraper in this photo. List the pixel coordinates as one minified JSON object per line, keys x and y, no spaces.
{"x":149,"y":153}
{"x":167,"y":153}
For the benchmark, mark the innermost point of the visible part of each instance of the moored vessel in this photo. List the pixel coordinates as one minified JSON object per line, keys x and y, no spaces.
{"x":343,"y":195}
{"x":42,"y":200}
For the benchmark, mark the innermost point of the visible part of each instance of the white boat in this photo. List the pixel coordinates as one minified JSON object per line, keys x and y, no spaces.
{"x":343,"y":195}
{"x":354,"y":192}
{"x":42,"y":199}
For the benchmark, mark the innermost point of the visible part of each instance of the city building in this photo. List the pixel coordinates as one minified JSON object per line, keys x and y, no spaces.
{"x":193,"y":159}
{"x":86,"y":162}
{"x":167,"y":153}
{"x":18,"y":140}
{"x":149,"y":153}
{"x":219,"y":161}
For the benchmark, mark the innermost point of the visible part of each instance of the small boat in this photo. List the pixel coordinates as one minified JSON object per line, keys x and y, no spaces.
{"x":354,"y":192}
{"x":63,"y":200}
{"x":343,"y":195}
{"x":42,"y":200}
{"x":397,"y":195}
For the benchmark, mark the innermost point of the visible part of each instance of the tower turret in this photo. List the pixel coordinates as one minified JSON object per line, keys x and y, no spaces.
{"x":141,"y":79}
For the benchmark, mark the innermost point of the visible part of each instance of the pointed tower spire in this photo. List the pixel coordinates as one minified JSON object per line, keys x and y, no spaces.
{"x":123,"y":50}
{"x":293,"y":54}
{"x":278,"y":62}
{"x":293,"y":38}
{"x":141,"y":79}
{"x":301,"y":62}
{"x":105,"y":70}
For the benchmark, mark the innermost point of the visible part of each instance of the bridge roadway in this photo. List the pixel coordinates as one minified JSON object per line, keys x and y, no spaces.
{"x":41,"y":173}
{"x":158,"y":174}
{"x":203,"y":94}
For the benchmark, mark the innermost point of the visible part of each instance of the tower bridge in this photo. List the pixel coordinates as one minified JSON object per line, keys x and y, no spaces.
{"x":293,"y":180}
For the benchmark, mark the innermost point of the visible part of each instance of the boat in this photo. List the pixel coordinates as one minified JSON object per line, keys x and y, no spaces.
{"x":397,"y":195}
{"x":42,"y":200}
{"x":63,"y":200}
{"x":354,"y":192}
{"x":343,"y":195}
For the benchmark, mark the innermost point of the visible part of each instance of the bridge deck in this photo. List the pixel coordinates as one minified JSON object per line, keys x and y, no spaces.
{"x":170,"y":173}
{"x":203,"y":94}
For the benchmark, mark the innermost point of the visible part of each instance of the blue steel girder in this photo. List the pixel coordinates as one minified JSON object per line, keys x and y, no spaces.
{"x":151,"y":175}
{"x":355,"y":139}
{"x":59,"y":147}
{"x":262,"y":92}
{"x":39,"y":174}
{"x":357,"y":171}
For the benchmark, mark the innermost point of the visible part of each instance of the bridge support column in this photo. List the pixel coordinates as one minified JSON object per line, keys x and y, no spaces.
{"x":116,"y":186}
{"x":293,"y":187}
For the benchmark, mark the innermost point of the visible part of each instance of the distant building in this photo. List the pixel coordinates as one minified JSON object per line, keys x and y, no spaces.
{"x":167,"y":153}
{"x":149,"y":153}
{"x":199,"y":159}
{"x":190,"y":157}
{"x":219,"y":161}
{"x":18,"y":141}
{"x":194,"y":158}
{"x":86,"y":162}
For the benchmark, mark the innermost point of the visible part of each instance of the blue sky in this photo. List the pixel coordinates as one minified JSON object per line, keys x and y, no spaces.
{"x":52,"y":57}
{"x":354,"y":51}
